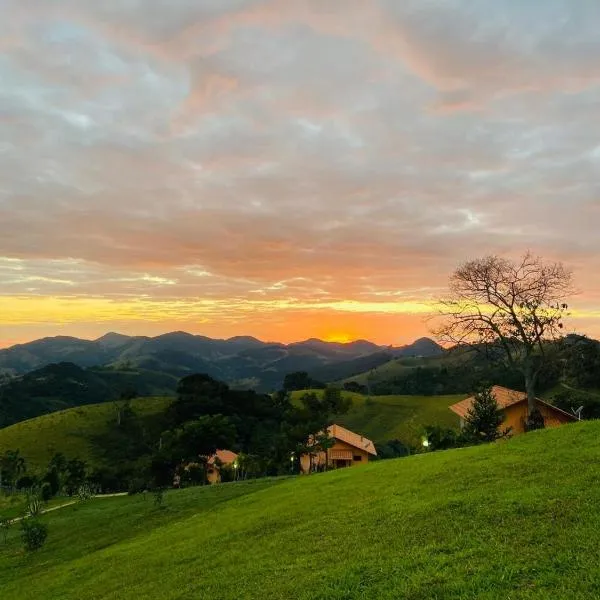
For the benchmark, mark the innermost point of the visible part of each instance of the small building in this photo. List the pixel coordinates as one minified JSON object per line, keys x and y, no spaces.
{"x":514,"y":406}
{"x":214,"y":462}
{"x":348,"y":449}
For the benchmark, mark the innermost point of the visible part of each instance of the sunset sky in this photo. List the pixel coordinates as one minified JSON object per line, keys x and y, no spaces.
{"x":289,"y":168}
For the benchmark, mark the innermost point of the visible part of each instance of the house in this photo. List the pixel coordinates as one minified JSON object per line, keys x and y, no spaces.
{"x":218,"y":459}
{"x":348,"y":449}
{"x":514,"y":406}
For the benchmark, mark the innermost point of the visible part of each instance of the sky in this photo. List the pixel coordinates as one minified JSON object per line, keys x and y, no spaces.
{"x":288,"y":168}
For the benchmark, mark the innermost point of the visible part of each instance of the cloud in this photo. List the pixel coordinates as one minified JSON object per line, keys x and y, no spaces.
{"x":292,"y":151}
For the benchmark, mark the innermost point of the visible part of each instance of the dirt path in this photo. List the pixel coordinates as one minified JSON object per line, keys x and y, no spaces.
{"x":70,"y":503}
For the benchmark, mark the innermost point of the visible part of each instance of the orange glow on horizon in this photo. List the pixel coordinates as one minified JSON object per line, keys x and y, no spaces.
{"x":339,"y":338}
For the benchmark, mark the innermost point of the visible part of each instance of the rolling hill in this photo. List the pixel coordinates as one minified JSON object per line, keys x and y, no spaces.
{"x":385,"y":418}
{"x":57,"y":373}
{"x":482,"y":523}
{"x":63,"y":385}
{"x":70,"y":432}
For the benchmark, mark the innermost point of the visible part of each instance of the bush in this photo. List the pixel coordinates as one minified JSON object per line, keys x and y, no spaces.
{"x":137,"y":486}
{"x":84,"y":492}
{"x":46,"y":492}
{"x":26,"y":482}
{"x":5,"y":525}
{"x":33,"y":534}
{"x":440,"y":438}
{"x":34,"y":505}
{"x":159,"y":497}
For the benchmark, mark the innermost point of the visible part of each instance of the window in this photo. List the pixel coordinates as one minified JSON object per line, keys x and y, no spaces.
{"x":357,"y":458}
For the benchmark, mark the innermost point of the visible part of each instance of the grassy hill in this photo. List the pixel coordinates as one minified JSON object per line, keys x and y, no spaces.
{"x":384,"y":418}
{"x":68,"y":431}
{"x":517,"y":520}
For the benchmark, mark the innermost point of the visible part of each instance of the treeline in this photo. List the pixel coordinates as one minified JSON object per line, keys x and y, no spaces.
{"x":65,"y":385}
{"x":269,"y":432}
{"x":574,"y":360}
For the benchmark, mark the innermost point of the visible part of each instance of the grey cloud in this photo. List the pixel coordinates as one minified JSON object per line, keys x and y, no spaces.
{"x":287,"y":149}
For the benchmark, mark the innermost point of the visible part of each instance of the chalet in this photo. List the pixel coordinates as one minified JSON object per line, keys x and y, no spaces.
{"x":218,"y":459}
{"x":514,"y":406}
{"x":348,"y":449}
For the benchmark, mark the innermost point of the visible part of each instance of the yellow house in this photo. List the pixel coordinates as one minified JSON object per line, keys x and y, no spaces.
{"x":349,"y":449}
{"x":514,"y":406}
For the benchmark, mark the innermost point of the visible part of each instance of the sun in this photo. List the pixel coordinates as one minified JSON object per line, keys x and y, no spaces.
{"x":339,"y":338}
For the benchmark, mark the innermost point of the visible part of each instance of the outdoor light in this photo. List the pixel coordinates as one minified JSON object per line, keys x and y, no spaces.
{"x":426,"y":443}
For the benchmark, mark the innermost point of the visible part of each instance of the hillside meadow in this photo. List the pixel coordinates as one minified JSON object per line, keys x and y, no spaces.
{"x":69,"y":431}
{"x":518,"y":519}
{"x":383,"y":418}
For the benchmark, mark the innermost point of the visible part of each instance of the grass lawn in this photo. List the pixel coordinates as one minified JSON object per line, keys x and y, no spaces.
{"x":67,"y":431}
{"x":519,"y":519}
{"x":384,"y":418}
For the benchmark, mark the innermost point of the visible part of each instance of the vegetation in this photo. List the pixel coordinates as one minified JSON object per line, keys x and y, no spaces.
{"x":484,"y":522}
{"x":510,"y":310}
{"x":72,"y":432}
{"x":458,"y":371}
{"x":401,"y":418}
{"x":483,"y":422}
{"x":59,"y":386}
{"x":33,"y":534}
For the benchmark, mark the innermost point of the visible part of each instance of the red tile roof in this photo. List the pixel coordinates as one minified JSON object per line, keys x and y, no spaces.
{"x":354,"y":439}
{"x":505,"y":398}
{"x":225,"y":456}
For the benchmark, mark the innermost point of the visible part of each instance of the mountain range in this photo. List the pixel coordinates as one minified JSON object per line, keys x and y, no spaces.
{"x":240,"y":361}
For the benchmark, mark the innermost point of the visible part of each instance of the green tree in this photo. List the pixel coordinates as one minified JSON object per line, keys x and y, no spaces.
{"x":300,"y":380}
{"x":12,"y":465}
{"x":484,"y":419}
{"x":75,"y":475}
{"x":439,"y":438}
{"x":33,"y":534}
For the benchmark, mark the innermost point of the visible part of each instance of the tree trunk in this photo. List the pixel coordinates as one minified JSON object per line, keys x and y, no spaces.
{"x":530,"y":388}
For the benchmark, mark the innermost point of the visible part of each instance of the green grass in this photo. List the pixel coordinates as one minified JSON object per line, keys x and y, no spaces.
{"x":517,"y":519}
{"x":400,"y":366}
{"x":67,"y":431}
{"x":384,"y":418}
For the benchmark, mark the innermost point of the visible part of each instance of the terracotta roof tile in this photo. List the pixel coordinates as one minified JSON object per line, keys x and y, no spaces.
{"x":225,"y":456}
{"x":354,"y":439}
{"x":504,"y":397}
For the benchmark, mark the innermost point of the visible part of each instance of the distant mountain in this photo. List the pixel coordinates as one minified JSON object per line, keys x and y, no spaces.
{"x":241,"y":361}
{"x":424,"y":347}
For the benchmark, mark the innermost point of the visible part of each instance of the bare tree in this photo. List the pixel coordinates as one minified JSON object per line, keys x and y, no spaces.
{"x":510,"y":309}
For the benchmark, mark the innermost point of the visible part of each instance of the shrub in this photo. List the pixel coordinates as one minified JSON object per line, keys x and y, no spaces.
{"x":137,"y":486}
{"x":46,"y":492}
{"x":159,"y":497}
{"x":34,"y":505}
{"x":5,"y":525}
{"x":33,"y":534}
{"x":26,"y":482}
{"x":84,"y":492}
{"x":440,"y":438}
